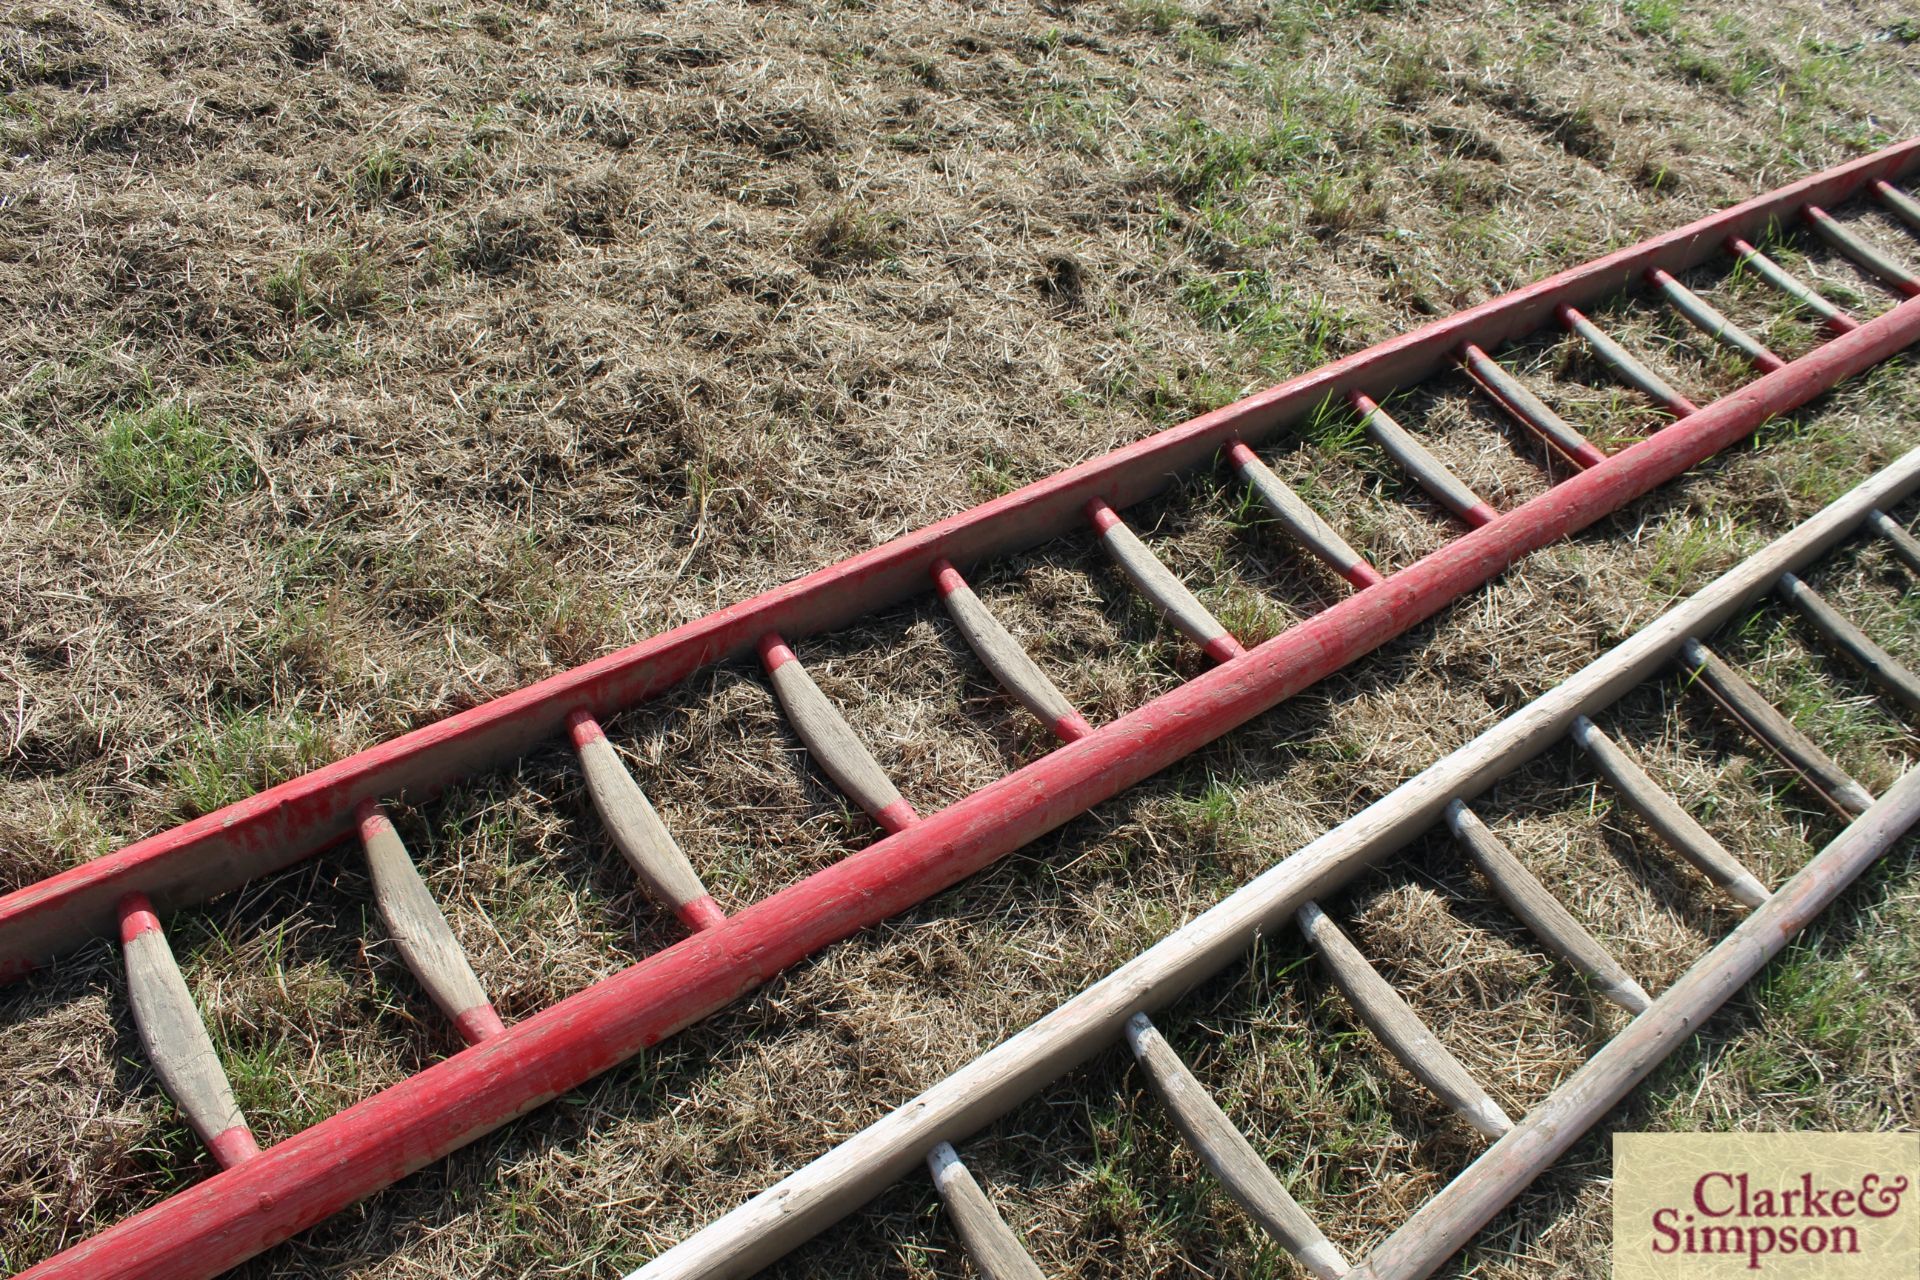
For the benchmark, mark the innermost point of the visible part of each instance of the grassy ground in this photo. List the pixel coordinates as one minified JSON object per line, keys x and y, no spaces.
{"x":365,"y":363}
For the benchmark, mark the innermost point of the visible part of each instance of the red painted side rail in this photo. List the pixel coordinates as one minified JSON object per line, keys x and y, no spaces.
{"x":289,"y":1187}
{"x":296,"y":819}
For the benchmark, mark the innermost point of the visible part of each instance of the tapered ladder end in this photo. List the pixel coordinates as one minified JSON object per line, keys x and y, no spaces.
{"x":479,"y":1023}
{"x":896,"y":817}
{"x":1224,"y":648}
{"x":235,"y":1146}
{"x":701,"y":913}
{"x":1363,"y":575}
{"x":1323,"y":1261}
{"x":136,"y":916}
{"x":583,"y":728}
{"x":1071,"y":727}
{"x":774,"y":652}
{"x":1486,"y":1116}
{"x":1628,"y":994}
{"x":1748,"y":891}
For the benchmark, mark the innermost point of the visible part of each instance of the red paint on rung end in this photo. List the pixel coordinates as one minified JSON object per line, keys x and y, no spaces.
{"x":1239,"y":455}
{"x":946,"y":578}
{"x":584,"y":729}
{"x":1103,"y":515}
{"x":1364,"y":575}
{"x":1223,"y":648}
{"x":897,"y":817}
{"x":1071,"y":727}
{"x":482,"y":1022}
{"x":701,"y":913}
{"x":774,"y":652}
{"x":371,"y":819}
{"x":234,"y":1147}
{"x":136,"y":917}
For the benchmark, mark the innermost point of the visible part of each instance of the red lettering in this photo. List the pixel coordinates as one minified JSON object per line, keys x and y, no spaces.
{"x":1663,"y":1226}
{"x":1700,"y":1194}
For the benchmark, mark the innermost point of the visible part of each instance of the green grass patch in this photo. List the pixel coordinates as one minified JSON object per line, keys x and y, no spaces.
{"x":168,"y":462}
{"x":241,"y":753}
{"x":1290,"y":330}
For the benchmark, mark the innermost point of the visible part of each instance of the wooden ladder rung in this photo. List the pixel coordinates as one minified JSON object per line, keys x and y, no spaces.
{"x":420,"y":930}
{"x":1786,"y":282}
{"x":1903,"y":544}
{"x":1301,"y":521}
{"x":1886,"y":670}
{"x":1157,"y":583}
{"x":637,"y":831}
{"x":1863,"y":255}
{"x":1218,"y":1142}
{"x":1543,"y":913}
{"x":1006,"y":657}
{"x":1387,"y":1014}
{"x":1632,"y":370}
{"x":1529,"y":410}
{"x":831,"y":739}
{"x":176,"y":1039}
{"x":995,"y":1251}
{"x":1764,"y":721}
{"x":1418,"y":461}
{"x":1903,"y":206}
{"x":1674,"y":825}
{"x":1707,"y":318}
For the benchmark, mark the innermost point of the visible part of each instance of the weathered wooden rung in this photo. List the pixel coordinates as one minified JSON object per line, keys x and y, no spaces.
{"x":420,"y":930}
{"x":1903,"y":544}
{"x":1882,"y":667}
{"x":1632,"y":370}
{"x":1863,"y":255}
{"x":1786,"y":282}
{"x":1417,"y":461}
{"x":1674,"y":825}
{"x":1300,"y":521}
{"x":1764,"y":721}
{"x":1529,"y":410}
{"x":996,"y":1252}
{"x":1902,"y":205}
{"x":1387,"y":1014}
{"x":176,"y":1037}
{"x":831,"y":739}
{"x":1157,"y":583}
{"x":1006,"y":657}
{"x":1542,"y":913}
{"x":1708,"y":319}
{"x":1218,"y":1142}
{"x":637,"y":831}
